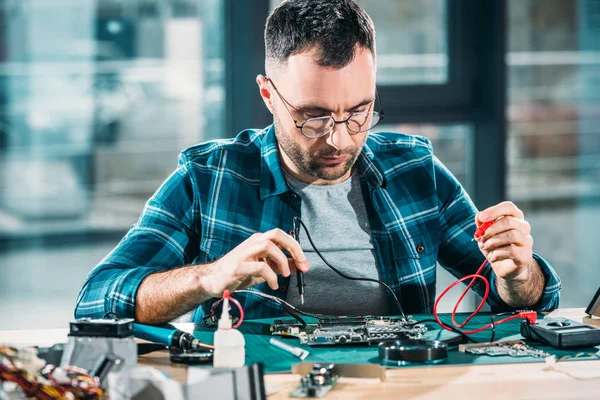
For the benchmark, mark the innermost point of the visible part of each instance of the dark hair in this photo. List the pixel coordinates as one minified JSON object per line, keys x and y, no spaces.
{"x":335,"y":27}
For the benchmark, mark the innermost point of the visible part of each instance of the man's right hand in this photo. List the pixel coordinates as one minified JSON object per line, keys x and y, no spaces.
{"x":258,"y":259}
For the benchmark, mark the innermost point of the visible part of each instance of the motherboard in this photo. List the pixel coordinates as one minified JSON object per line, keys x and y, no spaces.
{"x":350,"y":330}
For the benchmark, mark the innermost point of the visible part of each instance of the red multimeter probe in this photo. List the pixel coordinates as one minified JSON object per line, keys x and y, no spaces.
{"x":531,"y":316}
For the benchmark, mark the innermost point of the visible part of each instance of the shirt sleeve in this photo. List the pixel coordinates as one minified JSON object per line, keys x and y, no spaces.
{"x":461,"y":256}
{"x":165,"y":236}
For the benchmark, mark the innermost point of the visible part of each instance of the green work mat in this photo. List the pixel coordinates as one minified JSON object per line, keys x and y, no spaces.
{"x":275,"y":360}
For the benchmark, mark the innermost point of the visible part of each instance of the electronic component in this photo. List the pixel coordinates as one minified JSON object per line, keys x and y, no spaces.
{"x":190,"y":356}
{"x":101,"y":346}
{"x":32,"y":378}
{"x":512,"y":348}
{"x":116,"y":328}
{"x":561,"y":333}
{"x":287,"y":327}
{"x":351,"y":330}
{"x":466,"y":346}
{"x":317,"y":383}
{"x":413,"y":350}
{"x":373,"y":371}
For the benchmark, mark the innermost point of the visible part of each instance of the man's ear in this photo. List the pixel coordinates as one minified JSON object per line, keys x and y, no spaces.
{"x":265,"y":91}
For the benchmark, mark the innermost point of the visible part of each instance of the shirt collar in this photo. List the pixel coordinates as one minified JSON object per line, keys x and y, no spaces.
{"x":368,"y":168}
{"x":272,"y":180}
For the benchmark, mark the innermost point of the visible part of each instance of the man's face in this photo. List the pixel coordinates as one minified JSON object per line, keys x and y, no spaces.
{"x":316,"y":91}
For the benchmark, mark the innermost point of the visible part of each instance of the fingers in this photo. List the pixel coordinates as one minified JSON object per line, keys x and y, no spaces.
{"x":259,"y":269}
{"x":520,"y":255}
{"x":286,"y":242}
{"x":504,"y":225}
{"x":507,"y":208}
{"x":506,"y":238}
{"x":267,"y":251}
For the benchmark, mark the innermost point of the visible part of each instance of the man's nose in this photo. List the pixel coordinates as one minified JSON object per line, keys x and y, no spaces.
{"x":339,"y":137}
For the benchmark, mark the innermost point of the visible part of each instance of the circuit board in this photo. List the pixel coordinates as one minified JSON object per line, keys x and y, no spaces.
{"x":317,"y":383}
{"x":350,"y":330}
{"x":512,"y":348}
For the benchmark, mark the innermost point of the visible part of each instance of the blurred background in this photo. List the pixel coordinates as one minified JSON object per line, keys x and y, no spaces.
{"x":98,"y":97}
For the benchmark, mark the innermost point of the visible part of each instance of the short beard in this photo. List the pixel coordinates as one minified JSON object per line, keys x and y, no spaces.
{"x":307,"y":163}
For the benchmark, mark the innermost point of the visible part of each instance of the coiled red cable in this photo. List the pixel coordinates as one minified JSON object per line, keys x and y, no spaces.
{"x":530,"y":315}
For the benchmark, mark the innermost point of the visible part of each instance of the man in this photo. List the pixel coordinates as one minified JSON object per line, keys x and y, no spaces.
{"x":379,"y":206}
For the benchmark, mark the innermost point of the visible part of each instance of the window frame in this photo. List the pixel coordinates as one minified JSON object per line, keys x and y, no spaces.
{"x":475,"y":92}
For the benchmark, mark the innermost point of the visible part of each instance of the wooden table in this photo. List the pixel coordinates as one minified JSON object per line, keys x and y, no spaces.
{"x":577,"y":379}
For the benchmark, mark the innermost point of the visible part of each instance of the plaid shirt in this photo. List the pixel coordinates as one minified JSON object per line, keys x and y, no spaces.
{"x":223,"y":191}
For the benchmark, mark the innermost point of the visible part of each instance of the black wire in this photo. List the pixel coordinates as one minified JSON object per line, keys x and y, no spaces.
{"x":492,"y":321}
{"x":453,"y":329}
{"x":283,"y":303}
{"x":109,"y":314}
{"x":346,"y":276}
{"x":493,"y":328}
{"x":294,"y":315}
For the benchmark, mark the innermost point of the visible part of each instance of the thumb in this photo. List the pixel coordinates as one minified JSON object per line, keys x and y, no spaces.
{"x":481,"y":217}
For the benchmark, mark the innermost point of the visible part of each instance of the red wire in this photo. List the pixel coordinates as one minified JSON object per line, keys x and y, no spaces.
{"x":478,"y":233}
{"x":227,"y":295}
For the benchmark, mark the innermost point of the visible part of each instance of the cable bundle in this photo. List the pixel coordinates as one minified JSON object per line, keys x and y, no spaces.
{"x":51,"y":383}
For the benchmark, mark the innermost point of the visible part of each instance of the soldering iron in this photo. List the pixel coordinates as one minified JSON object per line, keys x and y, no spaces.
{"x":168,"y":336}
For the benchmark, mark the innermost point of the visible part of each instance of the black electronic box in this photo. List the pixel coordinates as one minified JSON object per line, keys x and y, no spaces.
{"x":561,"y":333}
{"x":116,"y":328}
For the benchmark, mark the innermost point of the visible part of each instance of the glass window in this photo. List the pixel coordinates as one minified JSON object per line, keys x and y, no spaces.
{"x":553,"y":149}
{"x":452,"y":144}
{"x":412,"y":40}
{"x":97,"y":99}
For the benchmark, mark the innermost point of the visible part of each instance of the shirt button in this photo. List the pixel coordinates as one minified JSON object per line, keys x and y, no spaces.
{"x":294,"y":196}
{"x":291,"y":233}
{"x":420,"y":248}
{"x":282,"y":288}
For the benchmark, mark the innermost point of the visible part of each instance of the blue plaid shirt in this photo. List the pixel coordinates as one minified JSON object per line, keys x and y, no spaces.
{"x":223,"y":191}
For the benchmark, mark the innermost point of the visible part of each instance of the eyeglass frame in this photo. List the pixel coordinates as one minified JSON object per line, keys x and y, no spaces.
{"x":335,"y":122}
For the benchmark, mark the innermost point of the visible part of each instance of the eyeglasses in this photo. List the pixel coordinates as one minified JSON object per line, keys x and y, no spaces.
{"x":362,"y":121}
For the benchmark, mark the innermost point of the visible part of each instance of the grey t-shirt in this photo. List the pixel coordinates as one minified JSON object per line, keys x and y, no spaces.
{"x":336,"y":218}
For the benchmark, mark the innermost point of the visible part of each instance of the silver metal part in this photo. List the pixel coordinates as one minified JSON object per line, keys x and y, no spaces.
{"x":351,"y":330}
{"x":508,"y":349}
{"x":371,"y":331}
{"x":317,"y":382}
{"x":87,"y":352}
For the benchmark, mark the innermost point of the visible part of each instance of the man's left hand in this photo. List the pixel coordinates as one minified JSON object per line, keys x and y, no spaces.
{"x":507,"y":243}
